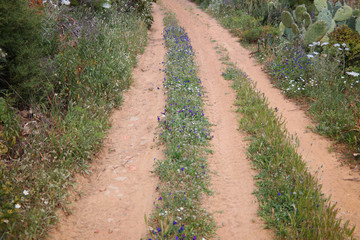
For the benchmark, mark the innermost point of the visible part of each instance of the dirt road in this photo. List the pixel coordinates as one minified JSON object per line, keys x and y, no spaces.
{"x":202,"y":30}
{"x":122,"y":189}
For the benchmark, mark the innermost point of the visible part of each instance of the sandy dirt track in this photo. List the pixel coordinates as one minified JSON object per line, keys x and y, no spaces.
{"x":122,"y":189}
{"x":313,"y":147}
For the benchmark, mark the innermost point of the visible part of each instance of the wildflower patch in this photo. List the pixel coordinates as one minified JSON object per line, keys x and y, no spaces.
{"x":185,"y":132}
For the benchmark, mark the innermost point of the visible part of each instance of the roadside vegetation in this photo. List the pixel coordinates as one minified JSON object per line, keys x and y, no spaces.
{"x":63,"y":67}
{"x":311,"y":50}
{"x":290,"y":197}
{"x":185,"y":132}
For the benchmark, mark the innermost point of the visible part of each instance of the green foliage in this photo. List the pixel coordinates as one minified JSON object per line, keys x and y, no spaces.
{"x":290,"y":198}
{"x":337,"y":15}
{"x":351,"y":38}
{"x":244,"y":26}
{"x":20,"y":28}
{"x":315,"y":32}
{"x":9,"y":125}
{"x":323,"y":78}
{"x":141,"y":7}
{"x":92,"y":56}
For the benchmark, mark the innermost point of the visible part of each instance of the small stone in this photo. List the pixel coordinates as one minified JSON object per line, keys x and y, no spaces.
{"x":134,"y":119}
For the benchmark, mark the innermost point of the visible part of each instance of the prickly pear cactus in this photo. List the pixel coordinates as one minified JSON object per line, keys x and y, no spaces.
{"x":281,"y":28}
{"x":343,"y":14}
{"x":307,"y":19}
{"x":315,"y":32}
{"x":326,"y":16}
{"x":320,"y":4}
{"x":287,"y":19}
{"x":332,"y":27}
{"x":357,"y":26}
{"x":299,"y":12}
{"x":295,"y":29}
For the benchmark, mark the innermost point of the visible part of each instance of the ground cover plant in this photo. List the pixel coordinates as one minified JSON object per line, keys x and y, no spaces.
{"x":184,"y":131}
{"x":53,"y":127}
{"x":290,"y":198}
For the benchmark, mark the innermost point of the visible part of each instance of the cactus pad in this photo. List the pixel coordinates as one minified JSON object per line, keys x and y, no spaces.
{"x":299,"y":11}
{"x":357,"y":26}
{"x":326,"y":16}
{"x":281,"y":28}
{"x":315,"y":32}
{"x":295,"y":29}
{"x":343,"y":14}
{"x":307,"y":19}
{"x":332,"y":27}
{"x":320,"y":4}
{"x":287,"y":19}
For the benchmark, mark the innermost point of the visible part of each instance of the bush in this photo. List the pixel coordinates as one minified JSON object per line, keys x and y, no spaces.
{"x":351,"y":38}
{"x":20,"y":27}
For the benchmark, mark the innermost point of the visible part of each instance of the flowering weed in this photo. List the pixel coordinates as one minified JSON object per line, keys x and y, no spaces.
{"x":184,"y":130}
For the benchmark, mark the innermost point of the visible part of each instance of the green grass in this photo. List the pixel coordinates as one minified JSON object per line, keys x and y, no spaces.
{"x":68,"y":119}
{"x":290,"y":198}
{"x":184,"y":131}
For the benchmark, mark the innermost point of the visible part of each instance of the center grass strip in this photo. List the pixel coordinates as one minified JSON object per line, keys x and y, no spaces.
{"x":185,"y":132}
{"x":290,"y":198}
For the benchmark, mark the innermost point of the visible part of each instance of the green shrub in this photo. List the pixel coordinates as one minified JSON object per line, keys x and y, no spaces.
{"x":20,"y":28}
{"x":351,"y":38}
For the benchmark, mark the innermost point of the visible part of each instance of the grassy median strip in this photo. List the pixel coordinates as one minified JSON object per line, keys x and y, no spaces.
{"x":290,"y":198}
{"x":185,"y":132}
